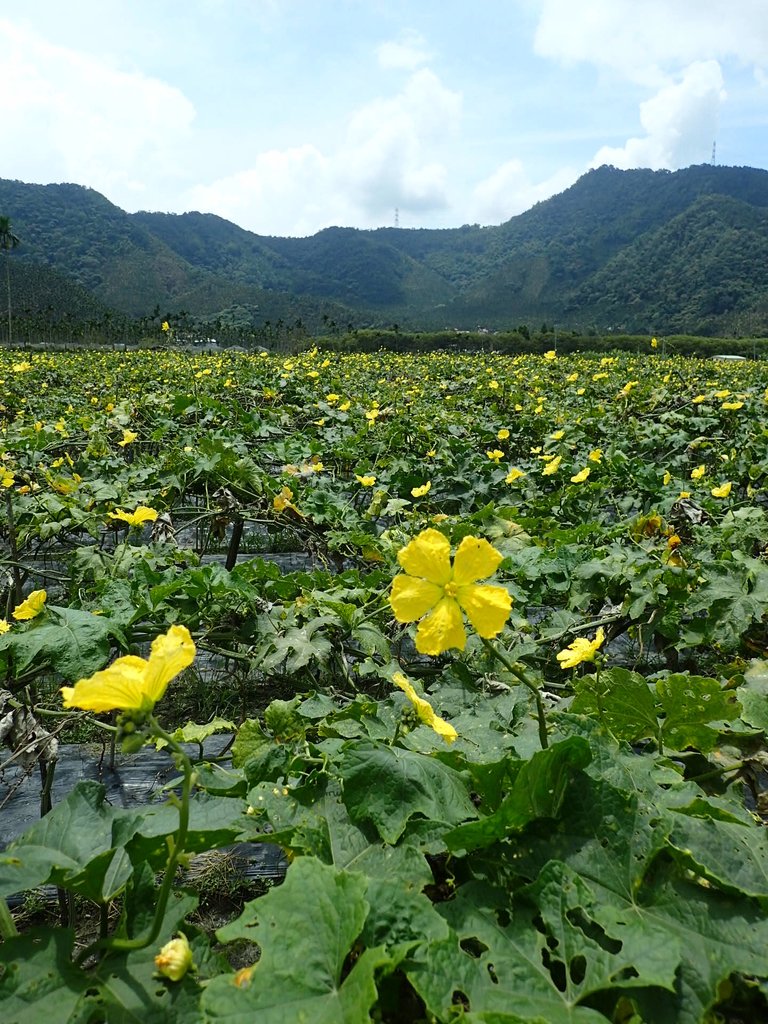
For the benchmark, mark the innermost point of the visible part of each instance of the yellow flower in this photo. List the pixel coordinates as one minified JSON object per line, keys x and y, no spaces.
{"x":419,"y":492}
{"x":596,"y":455}
{"x":4,"y":626}
{"x":581,"y":476}
{"x":132,"y":683}
{"x":550,"y":355}
{"x":32,"y":607}
{"x":581,"y":650}
{"x":699,"y":399}
{"x":128,"y":438}
{"x":495,"y":455}
{"x":667,"y":478}
{"x":331,"y":398}
{"x":424,"y":709}
{"x":166,"y":326}
{"x":513,"y":474}
{"x":242,"y":978}
{"x":502,"y":434}
{"x":723,"y":491}
{"x":654,"y":343}
{"x":436,"y":592}
{"x":698,"y":473}
{"x":558,"y":435}
{"x":552,"y":467}
{"x":143,"y":514}
{"x":284,"y":500}
{"x":366,"y":481}
{"x":732,"y":405}
{"x":685,"y":494}
{"x":175,"y":958}
{"x":7,"y":479}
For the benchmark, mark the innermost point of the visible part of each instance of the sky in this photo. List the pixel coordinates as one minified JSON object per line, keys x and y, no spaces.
{"x":289,"y":116}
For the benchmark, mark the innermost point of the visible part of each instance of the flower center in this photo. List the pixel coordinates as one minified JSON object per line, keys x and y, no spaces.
{"x":451,"y":589}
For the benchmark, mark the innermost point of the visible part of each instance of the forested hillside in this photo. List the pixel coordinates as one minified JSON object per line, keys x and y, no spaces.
{"x":637,"y":251}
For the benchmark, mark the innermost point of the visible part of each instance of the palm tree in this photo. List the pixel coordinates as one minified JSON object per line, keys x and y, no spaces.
{"x":8,"y":241}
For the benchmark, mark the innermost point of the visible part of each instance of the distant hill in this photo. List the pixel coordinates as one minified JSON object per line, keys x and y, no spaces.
{"x":636,"y":251}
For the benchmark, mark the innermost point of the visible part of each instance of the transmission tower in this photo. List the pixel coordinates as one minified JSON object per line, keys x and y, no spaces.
{"x":397,"y":217}
{"x":714,"y":152}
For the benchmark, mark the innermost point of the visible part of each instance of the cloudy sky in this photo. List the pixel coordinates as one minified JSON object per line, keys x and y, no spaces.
{"x":287,"y":116}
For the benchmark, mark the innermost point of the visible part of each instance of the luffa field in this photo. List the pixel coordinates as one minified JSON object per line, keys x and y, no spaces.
{"x":481,"y":641}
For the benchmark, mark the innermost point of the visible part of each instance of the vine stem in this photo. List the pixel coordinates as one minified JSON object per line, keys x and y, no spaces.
{"x":176,"y":853}
{"x":521,"y":676}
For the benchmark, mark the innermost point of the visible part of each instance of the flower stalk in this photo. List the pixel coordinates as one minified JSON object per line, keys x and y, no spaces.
{"x":177,"y":846}
{"x":514,"y":669}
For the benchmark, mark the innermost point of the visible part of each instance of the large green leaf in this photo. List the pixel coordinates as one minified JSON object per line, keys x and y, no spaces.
{"x":387,"y":786}
{"x":72,"y":642}
{"x":306,"y":931}
{"x":623,"y":700}
{"x":76,"y":846}
{"x":538,"y":792}
{"x":688,"y":704}
{"x":676,"y":714}
{"x":38,"y":981}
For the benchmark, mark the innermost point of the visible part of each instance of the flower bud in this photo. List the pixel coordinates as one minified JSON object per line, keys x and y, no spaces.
{"x":175,"y":958}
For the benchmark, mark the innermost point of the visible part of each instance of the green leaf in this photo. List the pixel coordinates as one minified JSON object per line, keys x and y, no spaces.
{"x":76,"y":845}
{"x":306,"y":931}
{"x":733,"y":856}
{"x":72,"y":642}
{"x":193,"y":732}
{"x":621,"y":699}
{"x":688,"y":704}
{"x":38,"y":980}
{"x":259,"y":755}
{"x":498,"y":958}
{"x":387,"y":786}
{"x":753,"y":695}
{"x":538,"y":792}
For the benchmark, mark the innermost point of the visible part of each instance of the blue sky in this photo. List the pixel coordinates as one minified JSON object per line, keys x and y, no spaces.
{"x":287,"y":116}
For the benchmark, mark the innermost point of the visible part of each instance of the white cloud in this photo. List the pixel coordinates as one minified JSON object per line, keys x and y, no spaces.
{"x":389,"y":158}
{"x":392,"y":153}
{"x":83,"y":119}
{"x":406,"y":53}
{"x":636,"y":39}
{"x":509,"y":191}
{"x":292,"y":186}
{"x":680,"y":123}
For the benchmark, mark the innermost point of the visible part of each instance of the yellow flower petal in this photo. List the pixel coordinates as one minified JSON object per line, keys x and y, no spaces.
{"x":581,"y":650}
{"x":175,"y":958}
{"x":412,"y":597}
{"x":487,"y":608}
{"x":475,"y":560}
{"x":131,"y":683}
{"x":442,"y":629}
{"x":169,"y":655}
{"x":31,"y":607}
{"x":119,"y":686}
{"x":723,"y":491}
{"x":427,"y":556}
{"x":424,"y":709}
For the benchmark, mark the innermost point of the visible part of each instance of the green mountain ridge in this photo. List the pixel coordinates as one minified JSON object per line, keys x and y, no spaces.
{"x":635,"y":251}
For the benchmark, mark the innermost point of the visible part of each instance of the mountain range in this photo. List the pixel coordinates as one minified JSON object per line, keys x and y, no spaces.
{"x":635,"y":251}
